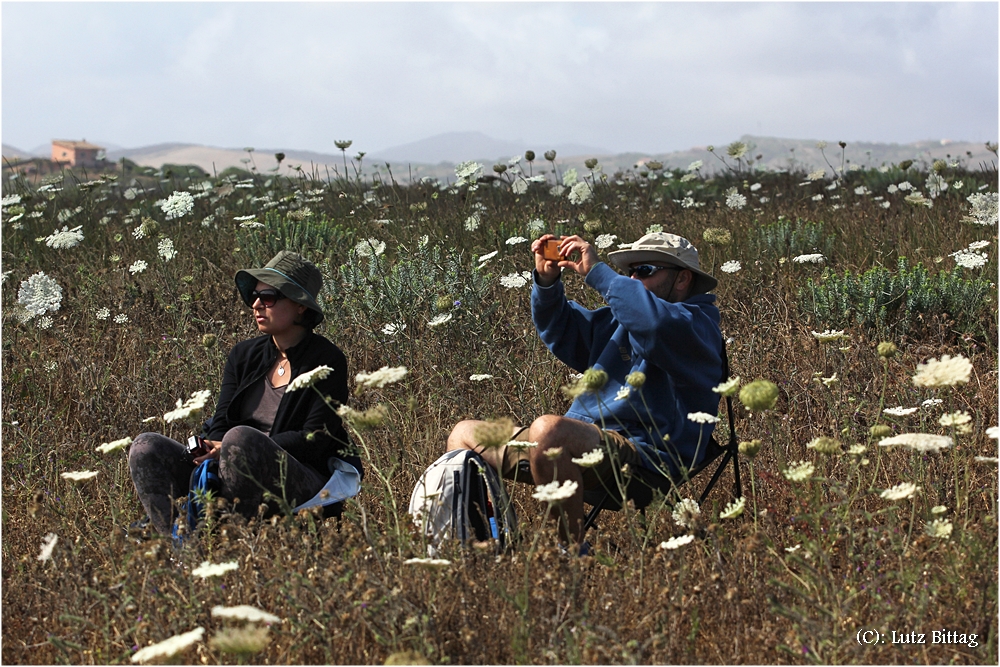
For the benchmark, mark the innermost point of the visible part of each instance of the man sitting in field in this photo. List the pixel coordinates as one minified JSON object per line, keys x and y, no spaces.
{"x":659,"y":344}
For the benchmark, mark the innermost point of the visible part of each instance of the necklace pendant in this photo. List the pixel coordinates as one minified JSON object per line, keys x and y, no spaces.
{"x":281,"y":370}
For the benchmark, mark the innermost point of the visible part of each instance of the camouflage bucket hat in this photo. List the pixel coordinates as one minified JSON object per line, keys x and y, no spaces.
{"x":288,"y":272}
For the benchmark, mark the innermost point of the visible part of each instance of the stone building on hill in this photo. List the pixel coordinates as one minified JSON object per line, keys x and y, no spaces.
{"x":76,"y":153}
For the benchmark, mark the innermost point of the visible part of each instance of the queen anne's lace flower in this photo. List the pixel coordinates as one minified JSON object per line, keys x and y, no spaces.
{"x":900,"y":411}
{"x":207,"y":569}
{"x":39,"y":294}
{"x":799,"y":472}
{"x":381,"y":377}
{"x":555,"y":492}
{"x":686,"y":513}
{"x":580,"y":193}
{"x":513,"y":281}
{"x":309,"y":378}
{"x":939,"y":528}
{"x":918,"y":442}
{"x":428,"y":563}
{"x":590,"y":459}
{"x":677,"y":542}
{"x":48,"y":544}
{"x":79,"y":475}
{"x":901,"y":491}
{"x":734,"y":199}
{"x":732,"y":266}
{"x":438,"y":320}
{"x":178,"y":205}
{"x":815,"y":258}
{"x":947,"y":372}
{"x":190,"y":408}
{"x":605,"y":241}
{"x":369,"y":248}
{"x":165,"y":249}
{"x":702,"y":418}
{"x":138,"y":266}
{"x":244,"y":613}
{"x":169,"y":647}
{"x":114,"y":445}
{"x":479,"y":377}
{"x":67,"y":238}
{"x":733,"y":509}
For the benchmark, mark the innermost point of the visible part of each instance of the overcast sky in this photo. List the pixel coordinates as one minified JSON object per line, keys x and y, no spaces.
{"x":624,"y":76}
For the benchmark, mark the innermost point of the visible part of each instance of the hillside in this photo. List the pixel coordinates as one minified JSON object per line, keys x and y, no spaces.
{"x":436,"y":156}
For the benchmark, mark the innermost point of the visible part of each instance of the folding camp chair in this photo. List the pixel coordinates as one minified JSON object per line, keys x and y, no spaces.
{"x":642,"y":483}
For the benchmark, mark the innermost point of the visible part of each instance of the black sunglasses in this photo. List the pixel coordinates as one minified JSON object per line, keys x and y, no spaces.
{"x":646,"y":270}
{"x":267,"y":298}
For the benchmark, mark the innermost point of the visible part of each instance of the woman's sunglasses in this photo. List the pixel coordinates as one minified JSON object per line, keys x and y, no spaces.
{"x":646,"y":270}
{"x":267,"y":298}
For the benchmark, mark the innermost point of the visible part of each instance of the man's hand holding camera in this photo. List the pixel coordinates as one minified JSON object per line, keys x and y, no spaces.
{"x":549,"y":269}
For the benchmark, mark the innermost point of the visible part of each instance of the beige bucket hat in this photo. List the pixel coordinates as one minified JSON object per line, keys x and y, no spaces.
{"x":664,"y":248}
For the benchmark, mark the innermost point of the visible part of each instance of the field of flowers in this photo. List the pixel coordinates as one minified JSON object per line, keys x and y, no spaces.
{"x":867,"y":533}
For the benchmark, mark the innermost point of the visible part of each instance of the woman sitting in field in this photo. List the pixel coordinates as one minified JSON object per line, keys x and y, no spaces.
{"x":263,"y":438}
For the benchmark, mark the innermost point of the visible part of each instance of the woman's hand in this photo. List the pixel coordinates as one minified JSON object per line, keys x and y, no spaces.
{"x":214,"y":447}
{"x":588,"y":256}
{"x":548,"y":270}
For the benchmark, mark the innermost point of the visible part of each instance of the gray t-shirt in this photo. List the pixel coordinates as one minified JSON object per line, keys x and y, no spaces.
{"x":261,"y":405}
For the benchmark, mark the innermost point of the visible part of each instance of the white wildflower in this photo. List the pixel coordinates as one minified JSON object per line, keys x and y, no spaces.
{"x":207,"y":569}
{"x":555,"y":492}
{"x":178,"y":205}
{"x":605,"y":241}
{"x":732,"y":266}
{"x":393,"y":329}
{"x":114,"y":445}
{"x":733,"y":509}
{"x":900,"y":411}
{"x":121,"y":318}
{"x":381,"y":377}
{"x":169,"y":647}
{"x":67,"y":238}
{"x":924,"y":443}
{"x":472,"y":222}
{"x":79,"y":475}
{"x":309,"y":378}
{"x":48,"y":544}
{"x":580,"y":193}
{"x":39,"y":294}
{"x":815,"y":258}
{"x":949,"y":371}
{"x":138,"y":266}
{"x":939,"y":528}
{"x":165,"y":249}
{"x":190,"y":408}
{"x":901,"y":491}
{"x":623,"y":393}
{"x":513,"y":281}
{"x":369,"y":248}
{"x":686,"y":513}
{"x":514,"y":240}
{"x":677,"y":542}
{"x":589,"y":459}
{"x":799,"y":472}
{"x":438,"y":320}
{"x":702,"y":418}
{"x":734,"y":199}
{"x":479,"y":377}
{"x":244,"y":613}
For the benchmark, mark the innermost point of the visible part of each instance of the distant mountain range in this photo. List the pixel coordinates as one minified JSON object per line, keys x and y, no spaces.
{"x":436,"y":156}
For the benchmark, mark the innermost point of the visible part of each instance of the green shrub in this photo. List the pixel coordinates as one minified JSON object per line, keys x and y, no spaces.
{"x":888,"y":302}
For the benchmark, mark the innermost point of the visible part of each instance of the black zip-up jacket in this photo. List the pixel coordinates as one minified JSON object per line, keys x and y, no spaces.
{"x":302,"y":415}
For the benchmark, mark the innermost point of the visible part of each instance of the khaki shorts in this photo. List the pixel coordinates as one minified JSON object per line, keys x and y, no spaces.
{"x":618,"y":450}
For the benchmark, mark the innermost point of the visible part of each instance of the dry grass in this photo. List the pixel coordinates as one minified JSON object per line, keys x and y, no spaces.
{"x":737,"y":594}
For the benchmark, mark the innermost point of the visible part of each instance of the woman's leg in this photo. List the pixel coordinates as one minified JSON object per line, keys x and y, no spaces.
{"x":161,"y":471}
{"x":250,"y":462}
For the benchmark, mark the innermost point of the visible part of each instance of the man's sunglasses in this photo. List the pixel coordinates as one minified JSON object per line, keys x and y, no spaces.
{"x":646,"y":270}
{"x":267,"y":298}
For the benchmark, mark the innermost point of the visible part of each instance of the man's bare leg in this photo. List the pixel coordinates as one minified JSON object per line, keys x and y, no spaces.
{"x":575,"y":438}
{"x":463,"y":436}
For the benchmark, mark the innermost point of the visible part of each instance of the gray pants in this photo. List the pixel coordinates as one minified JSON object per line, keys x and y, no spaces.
{"x":248,"y":460}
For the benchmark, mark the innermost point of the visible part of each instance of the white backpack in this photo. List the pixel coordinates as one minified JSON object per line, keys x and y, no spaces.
{"x":460,"y":497}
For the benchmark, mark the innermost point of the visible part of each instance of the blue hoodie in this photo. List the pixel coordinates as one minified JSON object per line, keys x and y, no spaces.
{"x":677,"y":345}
